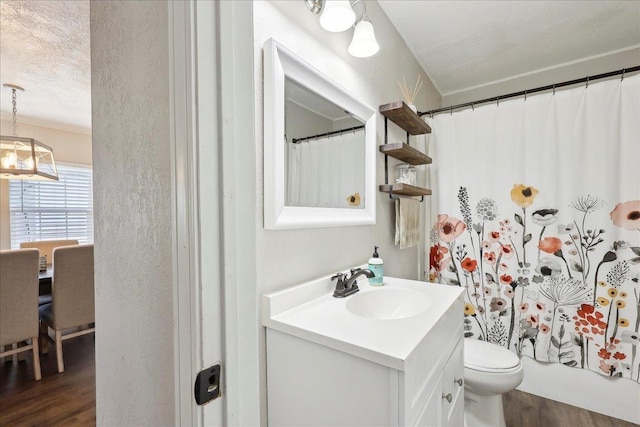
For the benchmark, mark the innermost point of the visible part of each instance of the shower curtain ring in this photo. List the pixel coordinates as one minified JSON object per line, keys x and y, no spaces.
{"x":554,"y":89}
{"x":497,"y":101}
{"x":587,"y":85}
{"x":525,"y":95}
{"x":623,"y":70}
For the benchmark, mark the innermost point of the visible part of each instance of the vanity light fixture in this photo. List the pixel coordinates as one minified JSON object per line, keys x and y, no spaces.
{"x":338,"y":15}
{"x":364,"y":43}
{"x":24,"y":158}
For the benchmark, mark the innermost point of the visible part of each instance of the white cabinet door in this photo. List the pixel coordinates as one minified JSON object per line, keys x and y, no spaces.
{"x":431,"y":414}
{"x":453,"y":388}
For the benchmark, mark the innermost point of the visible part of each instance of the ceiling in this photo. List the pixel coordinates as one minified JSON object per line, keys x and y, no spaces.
{"x":44,"y":46}
{"x":467,"y":44}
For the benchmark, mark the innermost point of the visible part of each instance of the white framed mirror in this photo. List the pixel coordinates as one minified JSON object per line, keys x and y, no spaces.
{"x":319,"y":148}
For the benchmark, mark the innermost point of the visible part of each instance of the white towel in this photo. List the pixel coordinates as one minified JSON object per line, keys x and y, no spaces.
{"x":407,"y":223}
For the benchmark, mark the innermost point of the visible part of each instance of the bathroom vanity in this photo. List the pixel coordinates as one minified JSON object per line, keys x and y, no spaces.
{"x":389,"y":355}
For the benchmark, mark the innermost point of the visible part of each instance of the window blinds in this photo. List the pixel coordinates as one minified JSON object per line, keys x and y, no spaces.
{"x":52,"y":210}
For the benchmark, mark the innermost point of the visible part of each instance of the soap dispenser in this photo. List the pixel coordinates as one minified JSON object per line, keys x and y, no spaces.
{"x":376,"y":266}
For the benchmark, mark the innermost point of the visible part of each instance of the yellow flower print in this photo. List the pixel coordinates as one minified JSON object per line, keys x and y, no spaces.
{"x":469,"y":310}
{"x":603,"y":301}
{"x":623,"y":294}
{"x":620,"y":304}
{"x":613,"y":292}
{"x":602,"y":283}
{"x":354,"y":199}
{"x":522,"y":195}
{"x":623,"y":322}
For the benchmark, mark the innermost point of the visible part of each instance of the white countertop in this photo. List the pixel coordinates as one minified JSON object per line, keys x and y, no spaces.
{"x":310,"y":311}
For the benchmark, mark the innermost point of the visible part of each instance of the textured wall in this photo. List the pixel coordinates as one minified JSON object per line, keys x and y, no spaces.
{"x":288,"y":257}
{"x":132,"y":176}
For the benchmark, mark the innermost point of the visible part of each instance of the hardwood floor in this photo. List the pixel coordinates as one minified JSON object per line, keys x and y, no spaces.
{"x":69,"y":399}
{"x":527,"y":410}
{"x":66,"y":399}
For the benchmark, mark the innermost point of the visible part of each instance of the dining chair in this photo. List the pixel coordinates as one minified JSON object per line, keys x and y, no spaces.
{"x":19,"y":303}
{"x":46,"y":248}
{"x":73,"y":297}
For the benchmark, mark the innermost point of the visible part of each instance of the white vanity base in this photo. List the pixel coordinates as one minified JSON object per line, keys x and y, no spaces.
{"x":329,"y":367}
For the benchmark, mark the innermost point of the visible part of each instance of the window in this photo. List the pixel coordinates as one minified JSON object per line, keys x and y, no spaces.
{"x":52,"y":210}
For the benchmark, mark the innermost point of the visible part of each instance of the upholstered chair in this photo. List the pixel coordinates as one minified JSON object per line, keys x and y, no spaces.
{"x":46,"y":248}
{"x":73,"y":305}
{"x":19,"y":303}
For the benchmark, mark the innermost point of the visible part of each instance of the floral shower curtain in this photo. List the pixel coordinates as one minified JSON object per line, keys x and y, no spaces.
{"x":537,"y":216}
{"x":326,"y":172}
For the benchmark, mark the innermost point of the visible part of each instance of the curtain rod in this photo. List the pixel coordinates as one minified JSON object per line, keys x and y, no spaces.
{"x":320,"y":135}
{"x":538,"y":89}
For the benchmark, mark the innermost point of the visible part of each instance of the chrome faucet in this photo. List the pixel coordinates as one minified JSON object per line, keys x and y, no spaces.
{"x":347,"y":284}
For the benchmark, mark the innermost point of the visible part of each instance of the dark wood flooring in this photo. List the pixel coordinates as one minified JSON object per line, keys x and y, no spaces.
{"x":69,"y":399}
{"x":66,"y":399}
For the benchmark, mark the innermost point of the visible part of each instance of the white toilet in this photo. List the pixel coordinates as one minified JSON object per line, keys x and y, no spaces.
{"x":489,"y":371}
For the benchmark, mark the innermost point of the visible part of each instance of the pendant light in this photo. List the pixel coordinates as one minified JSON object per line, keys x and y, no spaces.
{"x":337,"y":15}
{"x":24,"y":158}
{"x":364,"y":43}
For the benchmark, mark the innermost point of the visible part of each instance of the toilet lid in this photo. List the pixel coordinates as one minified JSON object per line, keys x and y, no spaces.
{"x":484,"y":356}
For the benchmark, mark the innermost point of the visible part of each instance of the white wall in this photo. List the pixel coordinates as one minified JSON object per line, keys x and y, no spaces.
{"x":538,"y":78}
{"x":288,"y":257}
{"x":132,"y":218}
{"x":68,"y":147}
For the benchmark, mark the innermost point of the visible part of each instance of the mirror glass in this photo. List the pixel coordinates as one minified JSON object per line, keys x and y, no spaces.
{"x":324,"y":152}
{"x":319,"y":147}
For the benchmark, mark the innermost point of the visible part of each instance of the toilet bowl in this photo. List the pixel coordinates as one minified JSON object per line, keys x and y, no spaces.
{"x":489,"y":371}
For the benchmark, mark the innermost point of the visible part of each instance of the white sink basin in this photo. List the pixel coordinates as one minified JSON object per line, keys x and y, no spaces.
{"x":388,"y":303}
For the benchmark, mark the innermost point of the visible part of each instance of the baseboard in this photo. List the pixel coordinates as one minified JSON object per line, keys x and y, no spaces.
{"x":614,"y":397}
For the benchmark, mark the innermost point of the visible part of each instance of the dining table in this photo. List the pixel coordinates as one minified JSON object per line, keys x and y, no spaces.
{"x":45,"y":278}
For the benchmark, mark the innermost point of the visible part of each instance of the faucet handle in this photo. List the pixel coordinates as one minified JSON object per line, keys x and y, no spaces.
{"x":355,"y":270}
{"x":338,"y":276}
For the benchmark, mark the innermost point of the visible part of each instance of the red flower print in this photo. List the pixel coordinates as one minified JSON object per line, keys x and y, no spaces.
{"x":585,"y":309}
{"x":489,"y":258}
{"x":505,"y":279}
{"x":494,"y":236}
{"x":619,"y":356}
{"x":449,"y":228}
{"x":604,"y":354}
{"x":438,"y":258}
{"x":532,"y":319}
{"x":627,"y":215}
{"x":469,"y":264}
{"x":525,"y":306}
{"x":550,"y":245}
{"x":540,"y":306}
{"x":507,"y":251}
{"x":588,"y":316}
{"x":544,"y":328}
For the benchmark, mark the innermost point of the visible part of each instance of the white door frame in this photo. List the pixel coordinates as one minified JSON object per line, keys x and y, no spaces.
{"x":217,"y":110}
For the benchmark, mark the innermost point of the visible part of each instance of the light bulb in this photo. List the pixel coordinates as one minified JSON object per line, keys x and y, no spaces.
{"x":364,"y":42}
{"x":9,"y":161}
{"x":337,"y":16}
{"x":29,"y":162}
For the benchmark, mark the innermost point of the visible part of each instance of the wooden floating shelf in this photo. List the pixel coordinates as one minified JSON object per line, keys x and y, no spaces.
{"x":400,"y":113}
{"x":406,"y":153}
{"x":401,"y":189}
